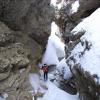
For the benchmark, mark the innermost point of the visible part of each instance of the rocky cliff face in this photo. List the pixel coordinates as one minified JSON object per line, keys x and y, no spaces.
{"x":13,"y":57}
{"x":24,"y":29}
{"x":30,"y":16}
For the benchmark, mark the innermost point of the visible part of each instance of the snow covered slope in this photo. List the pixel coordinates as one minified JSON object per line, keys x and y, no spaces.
{"x":86,"y":53}
{"x":52,"y":93}
{"x":90,"y":60}
{"x":55,"y":93}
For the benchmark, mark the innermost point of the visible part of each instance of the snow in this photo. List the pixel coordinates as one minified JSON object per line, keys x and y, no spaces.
{"x":55,"y":93}
{"x":90,"y":61}
{"x":75,"y":6}
{"x":50,"y":56}
{"x":54,"y":48}
{"x":36,"y":83}
{"x":53,"y":2}
{"x":64,"y":69}
{"x":63,"y":3}
{"x":1,"y":98}
{"x":59,"y":5}
{"x":54,"y":28}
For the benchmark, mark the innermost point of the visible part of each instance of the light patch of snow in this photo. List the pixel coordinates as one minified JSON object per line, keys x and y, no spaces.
{"x":54,"y":50}
{"x":52,"y":93}
{"x":22,"y":70}
{"x":2,"y":98}
{"x":5,"y":95}
{"x":36,"y":83}
{"x":58,"y":44}
{"x":53,"y":2}
{"x":64,"y":69}
{"x":60,"y":5}
{"x":90,"y":61}
{"x":75,"y":6}
{"x":55,"y":93}
{"x":55,"y":29}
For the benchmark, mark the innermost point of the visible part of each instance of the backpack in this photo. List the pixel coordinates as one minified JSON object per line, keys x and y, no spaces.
{"x":45,"y":68}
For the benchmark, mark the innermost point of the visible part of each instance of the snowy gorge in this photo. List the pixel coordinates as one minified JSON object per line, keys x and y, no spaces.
{"x":38,"y":32}
{"x":90,"y":60}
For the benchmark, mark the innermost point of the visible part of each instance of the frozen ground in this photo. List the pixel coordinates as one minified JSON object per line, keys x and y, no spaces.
{"x":52,"y":93}
{"x":90,"y":61}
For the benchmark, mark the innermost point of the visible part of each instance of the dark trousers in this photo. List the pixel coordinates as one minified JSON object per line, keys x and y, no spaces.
{"x":45,"y":76}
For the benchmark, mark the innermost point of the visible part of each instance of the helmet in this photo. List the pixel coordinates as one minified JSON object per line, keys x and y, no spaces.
{"x":45,"y":64}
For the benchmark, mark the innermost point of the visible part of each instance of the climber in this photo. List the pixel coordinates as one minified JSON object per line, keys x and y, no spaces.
{"x":45,"y":70}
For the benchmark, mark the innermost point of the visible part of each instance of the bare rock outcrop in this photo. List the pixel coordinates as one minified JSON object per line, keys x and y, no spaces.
{"x":14,"y":61}
{"x":24,"y":29}
{"x":30,"y":16}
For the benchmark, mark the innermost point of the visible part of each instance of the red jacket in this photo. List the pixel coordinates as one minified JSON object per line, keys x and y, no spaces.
{"x":45,"y":68}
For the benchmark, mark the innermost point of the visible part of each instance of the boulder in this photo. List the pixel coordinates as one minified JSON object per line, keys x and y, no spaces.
{"x":30,"y":16}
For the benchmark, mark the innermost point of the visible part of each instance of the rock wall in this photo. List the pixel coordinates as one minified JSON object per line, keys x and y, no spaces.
{"x":30,"y":16}
{"x":13,"y":58}
{"x":24,"y":30}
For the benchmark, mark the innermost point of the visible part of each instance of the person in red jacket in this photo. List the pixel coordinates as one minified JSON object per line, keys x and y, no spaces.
{"x":45,"y":70}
